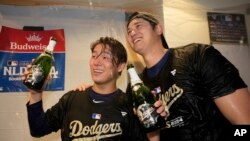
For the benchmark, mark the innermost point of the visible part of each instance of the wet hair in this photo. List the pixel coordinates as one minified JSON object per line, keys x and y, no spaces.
{"x":118,"y":51}
{"x":151,"y":19}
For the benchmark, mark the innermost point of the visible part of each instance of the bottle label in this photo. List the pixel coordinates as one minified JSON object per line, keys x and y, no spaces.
{"x":36,"y":76}
{"x":147,"y":115}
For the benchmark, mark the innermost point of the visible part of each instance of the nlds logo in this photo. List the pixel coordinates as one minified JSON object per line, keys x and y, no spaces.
{"x":15,"y":69}
{"x":34,"y":38}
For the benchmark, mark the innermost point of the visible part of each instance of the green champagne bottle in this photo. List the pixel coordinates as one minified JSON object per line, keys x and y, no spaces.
{"x":41,"y":67}
{"x":143,"y":101}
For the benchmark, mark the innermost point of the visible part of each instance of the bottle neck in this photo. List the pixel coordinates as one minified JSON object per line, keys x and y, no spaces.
{"x":134,"y":78}
{"x":51,"y":46}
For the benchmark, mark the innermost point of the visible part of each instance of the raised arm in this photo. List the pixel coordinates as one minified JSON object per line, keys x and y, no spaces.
{"x":36,"y":116}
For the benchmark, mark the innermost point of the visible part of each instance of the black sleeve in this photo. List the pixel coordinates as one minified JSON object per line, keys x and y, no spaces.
{"x":42,"y":123}
{"x":219,"y":75}
{"x":37,"y":120}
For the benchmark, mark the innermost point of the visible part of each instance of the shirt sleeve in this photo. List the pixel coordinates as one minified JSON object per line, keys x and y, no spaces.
{"x":42,"y":123}
{"x":219,"y":75}
{"x":37,"y":120}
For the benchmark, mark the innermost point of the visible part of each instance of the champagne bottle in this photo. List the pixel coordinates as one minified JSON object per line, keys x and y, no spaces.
{"x":40,"y":67}
{"x":143,"y":101}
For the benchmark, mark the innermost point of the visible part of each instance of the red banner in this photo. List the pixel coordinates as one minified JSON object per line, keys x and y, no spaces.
{"x":18,"y":40}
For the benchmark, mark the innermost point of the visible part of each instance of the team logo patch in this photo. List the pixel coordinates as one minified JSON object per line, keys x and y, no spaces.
{"x":96,"y":116}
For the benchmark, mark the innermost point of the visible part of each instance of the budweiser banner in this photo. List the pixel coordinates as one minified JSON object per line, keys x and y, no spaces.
{"x":19,"y":47}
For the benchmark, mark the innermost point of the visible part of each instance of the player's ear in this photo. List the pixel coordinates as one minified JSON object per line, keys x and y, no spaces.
{"x":159,"y":29}
{"x":121,"y":67}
